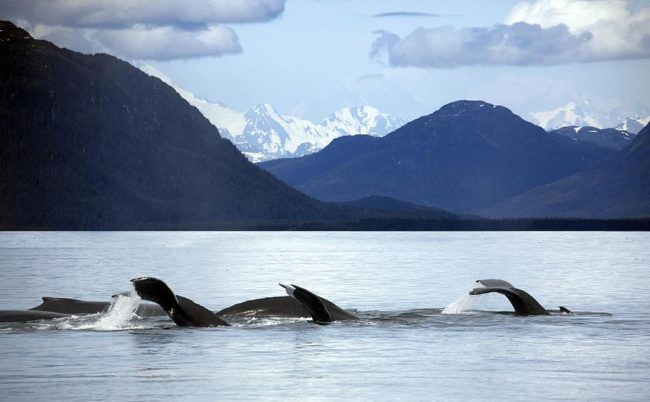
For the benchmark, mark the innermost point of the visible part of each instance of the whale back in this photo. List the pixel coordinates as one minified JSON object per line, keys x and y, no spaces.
{"x":28,"y":315}
{"x":281,"y":306}
{"x":70,"y":306}
{"x":195,"y":315}
{"x":278,"y":306}
{"x":74,"y":306}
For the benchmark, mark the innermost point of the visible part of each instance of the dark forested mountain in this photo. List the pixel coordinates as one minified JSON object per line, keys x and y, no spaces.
{"x":89,"y":141}
{"x":605,"y":137}
{"x":617,"y":188}
{"x":465,"y":156}
{"x":397,"y":208}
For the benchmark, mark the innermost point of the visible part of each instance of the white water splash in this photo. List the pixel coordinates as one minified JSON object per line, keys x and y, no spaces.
{"x":460,"y":305}
{"x":118,"y":317}
{"x":120,"y":312}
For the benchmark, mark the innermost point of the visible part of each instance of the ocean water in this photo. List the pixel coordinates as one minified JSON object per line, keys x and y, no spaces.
{"x":421,"y":337}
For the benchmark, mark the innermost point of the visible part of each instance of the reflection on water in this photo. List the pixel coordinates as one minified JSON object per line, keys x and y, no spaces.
{"x":402,"y":285}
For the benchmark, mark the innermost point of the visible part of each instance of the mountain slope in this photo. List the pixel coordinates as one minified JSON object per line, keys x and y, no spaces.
{"x":89,"y":141}
{"x":467,"y":155}
{"x":617,"y":188}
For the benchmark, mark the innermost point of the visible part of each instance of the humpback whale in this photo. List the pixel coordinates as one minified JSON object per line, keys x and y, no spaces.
{"x":321,"y":311}
{"x":58,"y":307}
{"x":522,"y":302}
{"x":74,"y":306}
{"x":281,"y":306}
{"x":183,"y":311}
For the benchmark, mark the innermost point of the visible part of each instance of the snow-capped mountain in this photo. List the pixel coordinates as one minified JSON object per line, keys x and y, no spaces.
{"x":633,"y":125}
{"x":585,"y":114}
{"x":263,"y":134}
{"x":361,"y":120}
{"x":269,"y":135}
{"x":570,"y":114}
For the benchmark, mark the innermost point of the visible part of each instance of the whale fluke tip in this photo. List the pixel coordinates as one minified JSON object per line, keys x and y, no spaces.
{"x":143,"y":278}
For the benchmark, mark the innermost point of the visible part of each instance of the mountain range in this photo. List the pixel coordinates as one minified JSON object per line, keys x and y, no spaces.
{"x":91,"y":142}
{"x":466,"y":156}
{"x":262,"y":133}
{"x":631,"y":118}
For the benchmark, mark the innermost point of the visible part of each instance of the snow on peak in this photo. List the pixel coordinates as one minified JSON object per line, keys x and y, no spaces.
{"x":633,"y":125}
{"x":361,"y":120}
{"x":584,"y":113}
{"x":274,"y":135}
{"x":570,"y":114}
{"x":263,"y":134}
{"x":264,"y":108}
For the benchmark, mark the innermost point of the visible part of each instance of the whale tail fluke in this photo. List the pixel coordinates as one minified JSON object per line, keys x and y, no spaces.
{"x":156,"y":291}
{"x":312,"y":303}
{"x":522,"y":302}
{"x":183,"y":311}
{"x":495,"y":283}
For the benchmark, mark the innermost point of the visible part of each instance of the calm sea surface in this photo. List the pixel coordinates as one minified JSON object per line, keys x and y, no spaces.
{"x":404,"y":349}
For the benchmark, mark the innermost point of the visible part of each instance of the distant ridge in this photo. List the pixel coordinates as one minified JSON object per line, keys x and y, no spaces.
{"x":607,"y":137}
{"x":617,"y":188}
{"x":465,"y":156}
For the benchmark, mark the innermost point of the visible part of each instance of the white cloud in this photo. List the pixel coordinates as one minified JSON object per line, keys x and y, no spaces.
{"x":541,"y":32}
{"x":618,"y":33}
{"x":163,"y":43}
{"x":125,"y":13}
{"x":142,"y":29}
{"x":578,"y":15}
{"x":516,"y":44}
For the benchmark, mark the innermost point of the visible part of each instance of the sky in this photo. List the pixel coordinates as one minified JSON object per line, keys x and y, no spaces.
{"x":407,"y":58}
